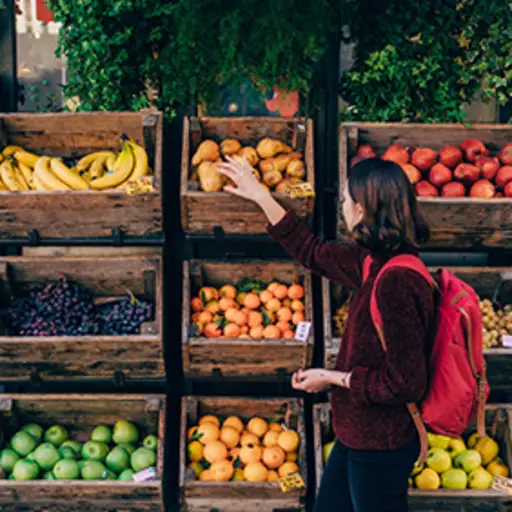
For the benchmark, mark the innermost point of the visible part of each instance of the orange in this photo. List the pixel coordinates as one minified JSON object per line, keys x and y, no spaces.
{"x":256,"y":332}
{"x":296,"y":292}
{"x":256,"y":472}
{"x":273,"y":305}
{"x":207,"y":433}
{"x":209,"y":418}
{"x":285,"y":314}
{"x":244,"y":336}
{"x":250,"y":453}
{"x":257,"y":426}
{"x":272,"y":286}
{"x":271,"y":332}
{"x":195,"y":451}
{"x":249,"y":438}
{"x":283,"y":326}
{"x":230,"y":313}
{"x":288,"y":468}
{"x":287,"y":303}
{"x":281,"y":292}
{"x":221,"y":471}
{"x":298,"y":317}
{"x":255,"y":319}
{"x":229,"y":436}
{"x":206,"y":476}
{"x":205,"y":318}
{"x":275,"y":427}
{"x":244,"y":330}
{"x":226,"y":303}
{"x":196,"y":304}
{"x":291,"y":457}
{"x":234,"y":453}
{"x":297,"y":305}
{"x":289,"y":440}
{"x":231,"y":331}
{"x":208,"y":293}
{"x":215,"y":451}
{"x":252,"y":301}
{"x":288,"y":335}
{"x":228,"y":291}
{"x":212,"y":330}
{"x":191,"y":432}
{"x":234,"y":422}
{"x":273,"y":457}
{"x":240,"y":318}
{"x":272,"y":476}
{"x":246,"y":311}
{"x":212,"y":306}
{"x":265,"y":296}
{"x":240,"y":298}
{"x":195,"y":318}
{"x":270,"y":438}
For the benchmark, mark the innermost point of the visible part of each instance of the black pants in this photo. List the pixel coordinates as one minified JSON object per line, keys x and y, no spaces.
{"x":366,"y":480}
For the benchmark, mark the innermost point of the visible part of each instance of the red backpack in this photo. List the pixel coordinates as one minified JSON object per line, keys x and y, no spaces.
{"x":458,"y":386}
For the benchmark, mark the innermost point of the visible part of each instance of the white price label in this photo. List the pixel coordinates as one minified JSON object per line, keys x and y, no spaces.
{"x":302,"y":332}
{"x":506,"y":276}
{"x":507,"y":341}
{"x":145,"y":475}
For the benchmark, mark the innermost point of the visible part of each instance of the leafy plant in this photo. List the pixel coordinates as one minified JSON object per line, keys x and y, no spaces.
{"x":118,"y":51}
{"x":421,"y":60}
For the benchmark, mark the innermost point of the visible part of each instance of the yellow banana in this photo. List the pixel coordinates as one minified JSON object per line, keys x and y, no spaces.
{"x":111,"y":161}
{"x":20,"y":178}
{"x":119,"y":173}
{"x":1,"y":158}
{"x":28,"y":174}
{"x":9,"y":176}
{"x":87,"y":160}
{"x":67,"y":176}
{"x":38,"y":184}
{"x":10,"y":150}
{"x":48,"y":179}
{"x":140,"y":169}
{"x":97,"y":168}
{"x":2,"y":186}
{"x":26,"y":158}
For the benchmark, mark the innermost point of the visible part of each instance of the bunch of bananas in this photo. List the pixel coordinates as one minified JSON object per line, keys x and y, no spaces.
{"x":340,"y":317}
{"x":101,"y":170}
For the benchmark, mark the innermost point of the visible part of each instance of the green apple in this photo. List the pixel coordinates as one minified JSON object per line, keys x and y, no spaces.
{"x":74,"y":445}
{"x":118,"y":459}
{"x":23,"y":443}
{"x":479,"y":478}
{"x":11,"y":477}
{"x":454,"y":479}
{"x":437,"y":441}
{"x":111,"y":475}
{"x":128,"y":447}
{"x":456,"y":446}
{"x":326,"y":451}
{"x":67,"y":452}
{"x":467,"y":460}
{"x":126,"y":475}
{"x":142,"y":458}
{"x":56,"y":435}
{"x":31,"y":456}
{"x":66,"y":469}
{"x":46,"y":456}
{"x":93,"y":450}
{"x":25,"y":470}
{"x":48,"y":476}
{"x":94,"y":470}
{"x":125,"y":432}
{"x":8,"y":459}
{"x":36,"y":431}
{"x":438,"y":460}
{"x":81,"y":464}
{"x":102,"y":434}
{"x":150,"y":442}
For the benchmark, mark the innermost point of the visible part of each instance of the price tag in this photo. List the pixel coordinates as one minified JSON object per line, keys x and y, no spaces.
{"x":302,"y":332}
{"x":503,"y":484}
{"x":507,"y":341}
{"x":506,"y":276}
{"x":145,"y":475}
{"x":140,"y":186}
{"x":301,"y":190}
{"x":290,"y":482}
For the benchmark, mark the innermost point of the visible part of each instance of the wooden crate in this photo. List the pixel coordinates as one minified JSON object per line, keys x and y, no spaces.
{"x":80,"y":414}
{"x":231,"y":496}
{"x":454,"y":222}
{"x":202,"y":212}
{"x":84,"y":357}
{"x":498,"y":422}
{"x":488,"y":282}
{"x":83,"y":214}
{"x":207,"y":356}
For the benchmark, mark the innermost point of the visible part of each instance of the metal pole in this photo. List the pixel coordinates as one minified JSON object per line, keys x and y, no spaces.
{"x":8,"y":82}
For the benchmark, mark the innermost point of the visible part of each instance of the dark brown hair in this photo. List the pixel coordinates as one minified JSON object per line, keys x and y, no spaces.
{"x":391,"y":214}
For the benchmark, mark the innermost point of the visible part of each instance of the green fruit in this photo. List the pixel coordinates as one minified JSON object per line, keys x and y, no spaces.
{"x":479,"y":478}
{"x":56,"y":435}
{"x":439,"y":460}
{"x":8,"y":459}
{"x":127,"y":475}
{"x":125,"y":432}
{"x":36,"y":431}
{"x":102,"y":434}
{"x":49,"y":476}
{"x":67,"y":452}
{"x":94,"y":470}
{"x":142,"y":458}
{"x":118,"y":459}
{"x":31,"y":456}
{"x":74,"y":445}
{"x":128,"y":447}
{"x":11,"y":477}
{"x":150,"y":442}
{"x":25,"y":470}
{"x":467,"y":460}
{"x":438,"y":441}
{"x":81,"y":464}
{"x":454,"y":479}
{"x":23,"y":443}
{"x":111,"y":475}
{"x":66,"y":469}
{"x":46,"y":456}
{"x":92,"y":450}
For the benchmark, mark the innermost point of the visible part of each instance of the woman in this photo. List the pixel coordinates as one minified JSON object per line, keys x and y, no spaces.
{"x":376,"y":441}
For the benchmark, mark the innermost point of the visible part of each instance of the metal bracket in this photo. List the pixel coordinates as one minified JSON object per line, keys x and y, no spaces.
{"x":35,"y":378}
{"x":219,"y":233}
{"x":217,"y":373}
{"x":119,"y":379}
{"x":117,"y":237}
{"x":34,"y":238}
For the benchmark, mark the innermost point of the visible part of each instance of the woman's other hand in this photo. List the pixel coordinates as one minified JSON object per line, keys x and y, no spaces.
{"x":314,"y":380}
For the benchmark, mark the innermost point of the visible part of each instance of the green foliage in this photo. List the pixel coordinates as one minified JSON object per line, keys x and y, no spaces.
{"x":421,"y":60}
{"x":116,"y":50}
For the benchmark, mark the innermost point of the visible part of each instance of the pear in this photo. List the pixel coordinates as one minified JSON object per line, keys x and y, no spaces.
{"x":438,"y":441}
{"x":438,"y":460}
{"x":428,"y":479}
{"x":479,"y":478}
{"x":497,"y":468}
{"x":454,"y":479}
{"x":456,"y":446}
{"x":467,"y":460}
{"x":488,"y":448}
{"x":473,"y":439}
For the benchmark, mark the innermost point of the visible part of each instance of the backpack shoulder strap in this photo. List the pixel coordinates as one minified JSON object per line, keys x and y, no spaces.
{"x":367,"y":263}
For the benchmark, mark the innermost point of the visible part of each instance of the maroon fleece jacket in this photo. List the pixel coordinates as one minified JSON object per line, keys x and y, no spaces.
{"x":372,"y":414}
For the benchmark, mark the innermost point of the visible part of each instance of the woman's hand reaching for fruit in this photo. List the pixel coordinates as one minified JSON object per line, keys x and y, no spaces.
{"x":247,"y":186}
{"x":316,"y":380}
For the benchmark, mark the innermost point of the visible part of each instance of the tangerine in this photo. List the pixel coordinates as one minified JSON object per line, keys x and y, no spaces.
{"x":291,"y":457}
{"x":205,"y":317}
{"x":286,"y":303}
{"x":215,"y":451}
{"x":207,"y":433}
{"x":195,"y":318}
{"x":250,"y":453}
{"x":288,"y":335}
{"x":272,"y":476}
{"x":281,"y":292}
{"x":283,"y":326}
{"x":228,"y":291}
{"x":257,"y":426}
{"x":245,"y":330}
{"x":255,"y":472}
{"x":191,"y":432}
{"x":231,"y":331}
{"x":212,"y":330}
{"x":195,"y":451}
{"x":206,"y":476}
{"x":265,"y":296}
{"x":274,"y":426}
{"x":284,"y":314}
{"x":271,"y":332}
{"x":289,"y":440}
{"x":234,"y":422}
{"x":296,"y":292}
{"x":273,"y":305}
{"x":255,"y":319}
{"x":273,"y":457}
{"x":257,"y":332}
{"x":212,"y":306}
{"x":230,"y":313}
{"x":208,"y":293}
{"x":240,"y":298}
{"x":252,"y":301}
{"x":240,"y":318}
{"x":298,"y":317}
{"x":209,"y":418}
{"x":229,"y":436}
{"x":249,"y":438}
{"x":244,"y":337}
{"x":288,"y":468}
{"x":221,"y":471}
{"x":196,"y":304}
{"x":227,"y":303}
{"x":272,"y":286}
{"x":270,"y":438}
{"x":234,"y":453}
{"x":297,"y":305}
